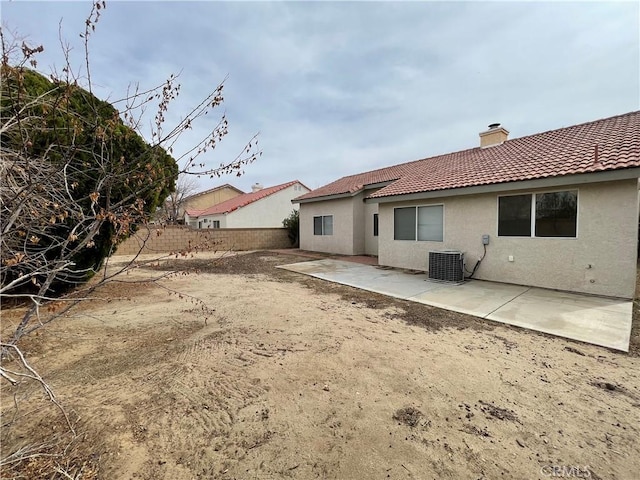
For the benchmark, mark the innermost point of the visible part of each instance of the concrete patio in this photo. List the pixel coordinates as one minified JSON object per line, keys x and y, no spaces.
{"x":596,"y":320}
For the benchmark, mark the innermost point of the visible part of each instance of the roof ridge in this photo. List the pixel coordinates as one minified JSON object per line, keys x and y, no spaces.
{"x":633,"y":112}
{"x":555,"y":152}
{"x":212,"y":189}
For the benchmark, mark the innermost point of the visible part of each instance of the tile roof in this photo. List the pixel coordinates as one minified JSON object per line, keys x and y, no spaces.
{"x":240,"y":201}
{"x":565,"y":151}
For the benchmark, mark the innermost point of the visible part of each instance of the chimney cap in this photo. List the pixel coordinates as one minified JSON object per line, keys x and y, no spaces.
{"x":494,"y":125}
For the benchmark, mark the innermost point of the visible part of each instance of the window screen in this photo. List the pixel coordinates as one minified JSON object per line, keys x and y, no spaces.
{"x":430,"y":223}
{"x":327,"y":225}
{"x":323,"y":225}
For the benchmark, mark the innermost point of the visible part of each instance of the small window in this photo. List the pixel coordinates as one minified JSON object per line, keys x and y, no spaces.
{"x":514,"y":216}
{"x":323,"y":225}
{"x":375,"y":224}
{"x":216,"y":224}
{"x":404,"y":223}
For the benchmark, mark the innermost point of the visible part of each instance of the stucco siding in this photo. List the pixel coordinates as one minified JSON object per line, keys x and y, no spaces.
{"x":341,"y":242}
{"x":358,"y":224}
{"x":601,"y":260}
{"x":370,"y":241}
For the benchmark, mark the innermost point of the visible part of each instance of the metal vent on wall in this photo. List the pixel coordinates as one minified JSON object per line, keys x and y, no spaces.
{"x":446,"y":266}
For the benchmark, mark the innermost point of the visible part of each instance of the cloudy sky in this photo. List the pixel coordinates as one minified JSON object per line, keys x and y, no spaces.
{"x":337,"y":88}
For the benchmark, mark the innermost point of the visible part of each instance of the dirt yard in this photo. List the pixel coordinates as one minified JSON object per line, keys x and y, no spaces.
{"x":285,"y":376}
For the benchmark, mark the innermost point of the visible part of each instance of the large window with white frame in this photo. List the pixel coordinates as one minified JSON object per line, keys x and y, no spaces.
{"x":545,"y":214}
{"x":425,"y":223}
{"x":323,"y":225}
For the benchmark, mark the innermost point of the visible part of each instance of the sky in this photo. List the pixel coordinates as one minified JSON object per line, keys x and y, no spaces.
{"x":339,"y":88}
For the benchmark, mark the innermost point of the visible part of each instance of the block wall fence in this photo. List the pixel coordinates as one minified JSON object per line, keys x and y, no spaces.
{"x":181,"y":238}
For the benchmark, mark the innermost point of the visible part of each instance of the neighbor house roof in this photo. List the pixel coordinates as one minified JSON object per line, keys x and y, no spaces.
{"x":607,"y":144}
{"x":226,"y":185}
{"x":240,"y":201}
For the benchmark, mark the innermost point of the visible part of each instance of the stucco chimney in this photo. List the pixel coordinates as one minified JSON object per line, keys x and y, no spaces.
{"x":496,"y":135}
{"x":256,"y":188}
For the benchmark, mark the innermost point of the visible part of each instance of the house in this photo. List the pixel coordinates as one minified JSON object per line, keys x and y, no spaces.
{"x":261,"y":208}
{"x":208,"y":198}
{"x":556,"y":210}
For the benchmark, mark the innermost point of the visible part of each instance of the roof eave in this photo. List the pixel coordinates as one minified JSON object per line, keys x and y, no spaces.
{"x":557,"y":181}
{"x":336,"y":196}
{"x":323,"y":198}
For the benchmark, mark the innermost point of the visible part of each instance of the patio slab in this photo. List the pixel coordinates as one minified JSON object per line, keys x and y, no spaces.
{"x":600,"y":321}
{"x":596,"y":320}
{"x":474,"y":297}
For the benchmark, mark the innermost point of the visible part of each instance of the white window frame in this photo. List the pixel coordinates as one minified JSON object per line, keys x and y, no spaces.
{"x":322,"y":233}
{"x":416,"y":207}
{"x":533,"y":213}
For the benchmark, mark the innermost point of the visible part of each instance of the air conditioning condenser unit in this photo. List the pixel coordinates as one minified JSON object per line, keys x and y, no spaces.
{"x":446,"y":266}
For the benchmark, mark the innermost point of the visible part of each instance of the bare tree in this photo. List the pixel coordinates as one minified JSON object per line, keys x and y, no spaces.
{"x":76,"y":178}
{"x":172,"y":210}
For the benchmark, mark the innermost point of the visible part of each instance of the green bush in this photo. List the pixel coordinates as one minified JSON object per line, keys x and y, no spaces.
{"x":292,"y":224}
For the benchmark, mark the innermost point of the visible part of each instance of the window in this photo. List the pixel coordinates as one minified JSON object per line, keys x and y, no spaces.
{"x":323,"y":225}
{"x":375,"y":224}
{"x":216,"y":224}
{"x":430,"y":222}
{"x":514,"y":216}
{"x":552,"y":214}
{"x":556,"y":214}
{"x":404,"y":223}
{"x":424,"y":223}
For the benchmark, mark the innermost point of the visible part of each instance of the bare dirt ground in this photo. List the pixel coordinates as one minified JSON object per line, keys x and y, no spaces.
{"x":293,"y":377}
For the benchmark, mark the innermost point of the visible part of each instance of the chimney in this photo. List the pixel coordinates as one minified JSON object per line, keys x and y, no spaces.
{"x":496,"y":135}
{"x":256,"y":188}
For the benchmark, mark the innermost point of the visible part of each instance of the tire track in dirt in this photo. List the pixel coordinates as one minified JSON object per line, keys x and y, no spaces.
{"x":209,"y":391}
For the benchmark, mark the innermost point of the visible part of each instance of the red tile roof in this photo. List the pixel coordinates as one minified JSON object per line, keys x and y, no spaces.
{"x":240,"y":201}
{"x":565,"y":151}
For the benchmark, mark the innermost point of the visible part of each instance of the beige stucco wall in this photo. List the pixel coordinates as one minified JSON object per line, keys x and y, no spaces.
{"x":370,"y":242}
{"x":352,"y":226}
{"x":342,"y":240}
{"x":359,"y":220}
{"x":606,"y":241}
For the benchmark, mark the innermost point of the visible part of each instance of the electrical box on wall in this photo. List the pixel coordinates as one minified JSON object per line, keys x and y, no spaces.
{"x":485,"y":239}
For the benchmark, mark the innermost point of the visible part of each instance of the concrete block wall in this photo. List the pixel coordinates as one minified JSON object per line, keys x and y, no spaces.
{"x":180,"y":238}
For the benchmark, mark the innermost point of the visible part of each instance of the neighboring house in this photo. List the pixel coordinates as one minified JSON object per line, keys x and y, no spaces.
{"x":262,"y":208}
{"x":560,"y":209}
{"x":208,"y":198}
